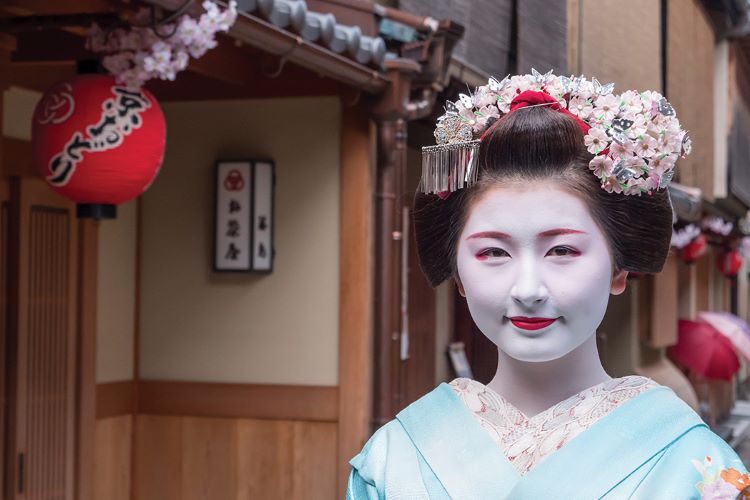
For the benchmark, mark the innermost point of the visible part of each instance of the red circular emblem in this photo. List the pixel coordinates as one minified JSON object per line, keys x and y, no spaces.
{"x":234,"y":181}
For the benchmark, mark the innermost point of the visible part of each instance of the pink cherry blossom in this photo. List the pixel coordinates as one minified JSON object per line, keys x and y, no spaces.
{"x":137,"y":54}
{"x":612,"y":185}
{"x":631,"y":100}
{"x":606,"y":107}
{"x":646,"y":147}
{"x":601,"y":166}
{"x":660,"y":165}
{"x":596,"y":140}
{"x":635,"y":163}
{"x":482,"y":98}
{"x":617,"y":149}
{"x":581,"y":107}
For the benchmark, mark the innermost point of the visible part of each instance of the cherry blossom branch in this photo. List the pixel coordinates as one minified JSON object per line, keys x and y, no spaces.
{"x":138,"y":53}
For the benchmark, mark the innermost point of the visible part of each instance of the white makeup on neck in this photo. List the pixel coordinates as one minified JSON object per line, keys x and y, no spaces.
{"x":536,"y":270}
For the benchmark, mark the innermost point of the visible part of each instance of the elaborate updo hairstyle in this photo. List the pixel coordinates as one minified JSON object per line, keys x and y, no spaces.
{"x":533,"y":144}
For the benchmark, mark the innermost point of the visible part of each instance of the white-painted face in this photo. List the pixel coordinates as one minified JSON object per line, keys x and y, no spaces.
{"x":536,"y":270}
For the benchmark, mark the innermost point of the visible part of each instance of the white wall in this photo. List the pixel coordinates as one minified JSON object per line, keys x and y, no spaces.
{"x":280,"y":328}
{"x":115,"y":313}
{"x":18,"y":108}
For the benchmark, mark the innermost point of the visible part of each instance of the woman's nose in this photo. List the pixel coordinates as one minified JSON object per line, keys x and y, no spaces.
{"x":528,"y":289}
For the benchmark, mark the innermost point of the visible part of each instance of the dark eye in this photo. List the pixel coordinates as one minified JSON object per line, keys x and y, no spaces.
{"x":561,"y":251}
{"x":493,"y":252}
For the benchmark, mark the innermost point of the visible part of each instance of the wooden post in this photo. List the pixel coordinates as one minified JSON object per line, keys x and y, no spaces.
{"x":356,"y":278}
{"x":88,"y":251}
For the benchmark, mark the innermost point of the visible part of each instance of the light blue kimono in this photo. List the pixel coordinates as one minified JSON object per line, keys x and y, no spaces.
{"x":653,"y":446}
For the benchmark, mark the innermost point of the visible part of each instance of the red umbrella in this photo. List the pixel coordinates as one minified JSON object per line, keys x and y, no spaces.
{"x":703,"y":349}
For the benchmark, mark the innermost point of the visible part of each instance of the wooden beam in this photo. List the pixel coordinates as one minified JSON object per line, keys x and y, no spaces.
{"x":51,"y":7}
{"x":88,"y":252}
{"x":50,"y":45}
{"x":17,"y":158}
{"x":115,"y":399}
{"x":294,"y":82}
{"x":356,"y":285}
{"x":226,"y":62}
{"x":38,"y":76}
{"x":208,"y":399}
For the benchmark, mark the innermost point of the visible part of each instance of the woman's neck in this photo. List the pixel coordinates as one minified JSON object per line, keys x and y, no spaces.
{"x":534,"y":387}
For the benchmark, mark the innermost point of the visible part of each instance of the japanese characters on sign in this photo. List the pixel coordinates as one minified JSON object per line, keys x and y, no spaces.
{"x":233,"y":214}
{"x":244,"y":216}
{"x":262,"y":241}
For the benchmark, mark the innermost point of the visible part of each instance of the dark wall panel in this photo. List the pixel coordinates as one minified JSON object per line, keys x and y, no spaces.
{"x":487,"y":39}
{"x":542,"y":36}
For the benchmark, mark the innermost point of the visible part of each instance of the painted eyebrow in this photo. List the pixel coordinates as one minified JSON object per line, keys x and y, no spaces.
{"x":559,"y":231}
{"x":498,"y":235}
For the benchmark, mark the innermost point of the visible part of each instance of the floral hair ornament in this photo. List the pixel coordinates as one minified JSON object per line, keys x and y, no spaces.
{"x":635,"y":137}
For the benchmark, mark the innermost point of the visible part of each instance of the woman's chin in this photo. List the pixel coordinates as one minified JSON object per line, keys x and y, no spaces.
{"x":535,"y":349}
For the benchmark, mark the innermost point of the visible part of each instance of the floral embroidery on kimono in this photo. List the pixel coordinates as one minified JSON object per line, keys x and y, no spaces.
{"x":526,"y":441}
{"x":726,"y":484}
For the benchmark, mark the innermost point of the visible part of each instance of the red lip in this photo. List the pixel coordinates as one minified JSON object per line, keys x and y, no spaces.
{"x":531,"y":323}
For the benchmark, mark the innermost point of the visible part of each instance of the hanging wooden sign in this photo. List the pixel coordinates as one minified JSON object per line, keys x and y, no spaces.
{"x":243,"y":216}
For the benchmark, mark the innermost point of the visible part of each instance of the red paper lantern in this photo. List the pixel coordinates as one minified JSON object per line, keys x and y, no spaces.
{"x":96,"y":142}
{"x":695,"y":249}
{"x":729,"y":263}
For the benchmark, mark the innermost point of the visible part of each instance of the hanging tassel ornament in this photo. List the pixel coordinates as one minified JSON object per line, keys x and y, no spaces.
{"x":449,"y":167}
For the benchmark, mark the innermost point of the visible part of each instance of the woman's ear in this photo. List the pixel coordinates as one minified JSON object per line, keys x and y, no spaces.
{"x":459,"y":285}
{"x":619,"y":282}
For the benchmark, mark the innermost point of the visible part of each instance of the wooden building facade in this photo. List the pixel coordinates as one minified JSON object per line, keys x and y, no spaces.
{"x":133,"y":371}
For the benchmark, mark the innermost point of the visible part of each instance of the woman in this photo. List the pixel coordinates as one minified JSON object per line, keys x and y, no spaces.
{"x":542,"y":194}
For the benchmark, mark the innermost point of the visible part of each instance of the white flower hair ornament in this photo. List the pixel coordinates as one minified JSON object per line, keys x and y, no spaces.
{"x":635,"y":137}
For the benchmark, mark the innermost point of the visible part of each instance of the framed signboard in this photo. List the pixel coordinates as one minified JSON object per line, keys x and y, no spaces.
{"x":243,"y":216}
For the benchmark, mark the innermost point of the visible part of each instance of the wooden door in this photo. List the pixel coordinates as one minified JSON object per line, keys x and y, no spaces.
{"x":418,"y":370}
{"x":42,"y":343}
{"x":4,"y":202}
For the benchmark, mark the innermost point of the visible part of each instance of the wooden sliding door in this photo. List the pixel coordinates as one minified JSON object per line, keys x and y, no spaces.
{"x":4,"y":203}
{"x":41,"y":347}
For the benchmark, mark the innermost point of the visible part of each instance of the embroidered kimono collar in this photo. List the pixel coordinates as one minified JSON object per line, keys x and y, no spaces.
{"x":469,"y":464}
{"x":526,"y":441}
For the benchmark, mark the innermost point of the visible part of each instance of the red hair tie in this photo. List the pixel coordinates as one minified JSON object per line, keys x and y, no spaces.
{"x":537,"y":98}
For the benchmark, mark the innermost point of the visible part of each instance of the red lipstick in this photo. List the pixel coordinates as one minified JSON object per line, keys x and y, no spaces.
{"x":531,"y":323}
